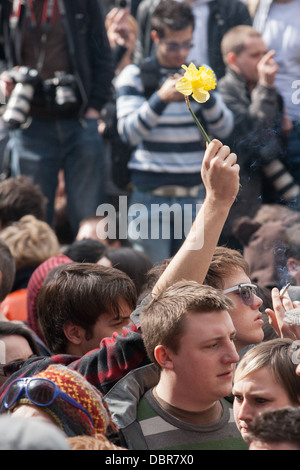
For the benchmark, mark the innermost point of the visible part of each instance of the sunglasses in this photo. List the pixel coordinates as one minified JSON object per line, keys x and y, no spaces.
{"x":175,"y":46}
{"x":40,"y":391}
{"x":7,"y":370}
{"x":246,"y":291}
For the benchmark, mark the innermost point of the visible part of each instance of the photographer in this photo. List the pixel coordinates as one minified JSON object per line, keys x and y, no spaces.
{"x":59,"y":72}
{"x":153,"y":118}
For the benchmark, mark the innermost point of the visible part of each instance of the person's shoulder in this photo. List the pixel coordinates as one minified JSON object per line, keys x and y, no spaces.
{"x":128,"y":74}
{"x":230,"y":79}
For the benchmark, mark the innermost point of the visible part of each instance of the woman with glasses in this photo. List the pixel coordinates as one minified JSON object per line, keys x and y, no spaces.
{"x":266,"y":379}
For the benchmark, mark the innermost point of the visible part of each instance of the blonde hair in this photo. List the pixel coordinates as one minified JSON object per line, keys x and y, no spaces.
{"x":97,"y":442}
{"x":31,"y":241}
{"x":277,"y":356}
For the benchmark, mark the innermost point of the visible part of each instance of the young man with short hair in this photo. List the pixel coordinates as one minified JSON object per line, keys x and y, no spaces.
{"x":121,"y":353}
{"x":106,"y":296}
{"x":168,"y":148}
{"x":229,"y":272}
{"x":258,"y":137}
{"x":189,"y":335}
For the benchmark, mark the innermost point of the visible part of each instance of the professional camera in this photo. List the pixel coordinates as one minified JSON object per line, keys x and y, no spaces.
{"x":62,"y":90}
{"x":19,"y":103}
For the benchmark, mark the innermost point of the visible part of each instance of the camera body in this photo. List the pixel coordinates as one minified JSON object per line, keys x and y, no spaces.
{"x":62,"y":90}
{"x":19,"y":103}
{"x":59,"y":94}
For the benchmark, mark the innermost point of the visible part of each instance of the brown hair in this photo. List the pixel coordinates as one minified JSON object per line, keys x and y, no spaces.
{"x":80,"y":293}
{"x":225,"y":261}
{"x":163,"y":319}
{"x":171,"y":14}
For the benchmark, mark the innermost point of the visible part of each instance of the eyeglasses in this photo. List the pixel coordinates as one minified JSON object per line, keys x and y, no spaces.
{"x":7,"y":370}
{"x":246,"y":291}
{"x":175,"y":46}
{"x":40,"y":391}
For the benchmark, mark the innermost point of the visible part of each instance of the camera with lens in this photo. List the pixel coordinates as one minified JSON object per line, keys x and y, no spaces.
{"x":61,"y":90}
{"x":19,"y":103}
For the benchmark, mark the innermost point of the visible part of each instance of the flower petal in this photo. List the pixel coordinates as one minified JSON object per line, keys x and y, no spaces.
{"x":200,"y":95}
{"x":208,"y":78}
{"x":184,"y":86}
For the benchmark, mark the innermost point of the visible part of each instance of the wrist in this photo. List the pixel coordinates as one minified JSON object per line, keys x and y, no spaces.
{"x":218,"y":205}
{"x":92,"y":113}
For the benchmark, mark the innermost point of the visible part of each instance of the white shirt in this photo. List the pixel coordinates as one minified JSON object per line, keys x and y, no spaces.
{"x":282,"y":33}
{"x":199,"y":53}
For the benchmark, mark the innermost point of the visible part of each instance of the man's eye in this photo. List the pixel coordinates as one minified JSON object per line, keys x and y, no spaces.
{"x":211,"y":346}
{"x":238,"y":398}
{"x":261,"y":401}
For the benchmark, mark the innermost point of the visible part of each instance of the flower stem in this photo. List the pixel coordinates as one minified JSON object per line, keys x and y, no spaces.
{"x":197,"y":121}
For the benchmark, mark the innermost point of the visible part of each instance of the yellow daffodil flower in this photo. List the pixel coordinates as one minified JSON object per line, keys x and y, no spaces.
{"x":196,"y":82}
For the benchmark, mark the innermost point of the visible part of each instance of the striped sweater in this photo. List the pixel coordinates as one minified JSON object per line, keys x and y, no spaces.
{"x":169,"y":147}
{"x":162,"y":431}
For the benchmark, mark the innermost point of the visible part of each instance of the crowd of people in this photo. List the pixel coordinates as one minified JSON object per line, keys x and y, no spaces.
{"x":165,"y":325}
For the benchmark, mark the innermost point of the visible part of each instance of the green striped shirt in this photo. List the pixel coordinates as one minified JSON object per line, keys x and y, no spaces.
{"x":163,"y":431}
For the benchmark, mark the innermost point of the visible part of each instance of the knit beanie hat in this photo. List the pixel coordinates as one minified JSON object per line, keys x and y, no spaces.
{"x":71,"y":420}
{"x":34,"y":286}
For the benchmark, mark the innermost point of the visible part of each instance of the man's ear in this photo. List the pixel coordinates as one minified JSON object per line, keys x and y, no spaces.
{"x":73,"y":333}
{"x":231,"y":58}
{"x":154,"y":36}
{"x":163,"y":357}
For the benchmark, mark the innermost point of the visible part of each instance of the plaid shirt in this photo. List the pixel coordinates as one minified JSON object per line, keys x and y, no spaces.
{"x":102,"y":367}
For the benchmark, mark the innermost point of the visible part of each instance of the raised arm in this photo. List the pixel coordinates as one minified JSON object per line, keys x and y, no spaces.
{"x":220,"y":175}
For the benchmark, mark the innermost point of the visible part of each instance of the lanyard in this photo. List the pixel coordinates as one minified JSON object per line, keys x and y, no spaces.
{"x":49,"y":14}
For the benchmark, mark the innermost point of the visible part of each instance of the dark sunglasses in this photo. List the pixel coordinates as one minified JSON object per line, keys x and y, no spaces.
{"x":40,"y":391}
{"x":175,"y":46}
{"x":246,"y":291}
{"x":7,"y":370}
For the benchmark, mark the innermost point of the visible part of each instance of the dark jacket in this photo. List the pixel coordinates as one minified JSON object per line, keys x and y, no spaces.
{"x":255,"y":139}
{"x":224,"y":15}
{"x":92,"y":57}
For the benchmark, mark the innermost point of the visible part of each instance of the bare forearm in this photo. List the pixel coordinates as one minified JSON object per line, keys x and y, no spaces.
{"x":192,"y":261}
{"x":220,"y":174}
